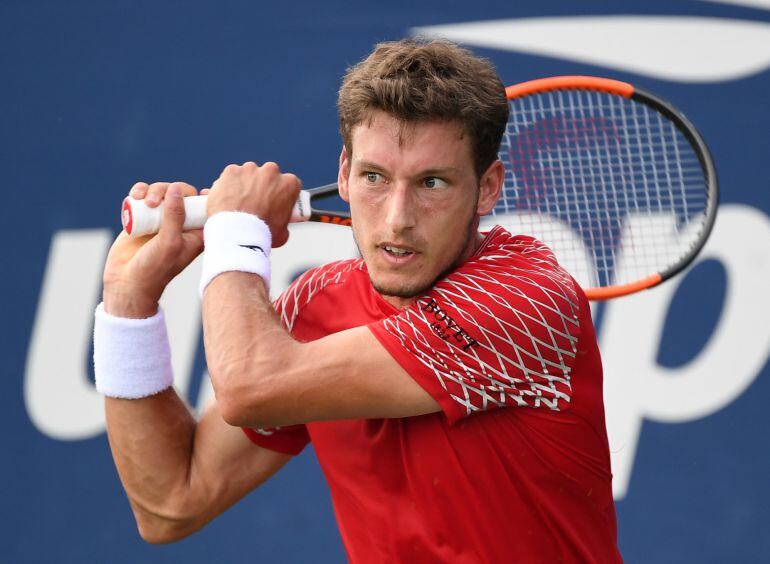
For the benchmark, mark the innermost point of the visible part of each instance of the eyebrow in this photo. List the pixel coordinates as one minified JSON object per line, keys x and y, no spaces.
{"x":436,"y":171}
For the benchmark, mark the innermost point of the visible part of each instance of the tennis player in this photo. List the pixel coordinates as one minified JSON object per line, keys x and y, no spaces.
{"x":449,"y":380}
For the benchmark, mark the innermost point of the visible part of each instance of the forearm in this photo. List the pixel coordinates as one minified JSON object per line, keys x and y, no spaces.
{"x":152,"y":443}
{"x":247,"y":350}
{"x":151,"y":437}
{"x":264,"y":378}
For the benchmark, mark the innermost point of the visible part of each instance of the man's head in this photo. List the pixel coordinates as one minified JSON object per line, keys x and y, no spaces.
{"x":421,"y":124}
{"x":417,"y":82}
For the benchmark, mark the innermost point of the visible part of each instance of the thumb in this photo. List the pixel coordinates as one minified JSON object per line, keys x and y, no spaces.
{"x":173,"y":210}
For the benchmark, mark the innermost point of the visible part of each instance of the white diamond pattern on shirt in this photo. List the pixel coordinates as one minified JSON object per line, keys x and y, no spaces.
{"x":519,"y":308}
{"x":304,"y":288}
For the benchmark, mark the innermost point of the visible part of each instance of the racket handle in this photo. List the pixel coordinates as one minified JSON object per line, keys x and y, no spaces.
{"x":140,"y":219}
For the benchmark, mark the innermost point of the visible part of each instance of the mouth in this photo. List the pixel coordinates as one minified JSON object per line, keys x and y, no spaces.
{"x":396,"y":251}
{"x":397,"y":254}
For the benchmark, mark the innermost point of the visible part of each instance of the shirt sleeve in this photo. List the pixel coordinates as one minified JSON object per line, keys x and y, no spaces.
{"x":496,"y":332}
{"x":288,"y":440}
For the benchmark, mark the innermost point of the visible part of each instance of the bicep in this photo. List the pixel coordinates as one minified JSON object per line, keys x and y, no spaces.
{"x":226,"y":465}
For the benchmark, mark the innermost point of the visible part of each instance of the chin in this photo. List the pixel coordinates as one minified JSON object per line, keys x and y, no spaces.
{"x":400,"y":290}
{"x":399,"y":285}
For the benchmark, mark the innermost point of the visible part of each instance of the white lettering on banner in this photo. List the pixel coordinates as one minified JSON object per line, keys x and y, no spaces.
{"x":60,"y":400}
{"x":62,"y":403}
{"x":636,"y":387}
{"x":677,"y":48}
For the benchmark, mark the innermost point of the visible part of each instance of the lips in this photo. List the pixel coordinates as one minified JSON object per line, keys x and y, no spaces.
{"x":396,"y":250}
{"x":397,"y":254}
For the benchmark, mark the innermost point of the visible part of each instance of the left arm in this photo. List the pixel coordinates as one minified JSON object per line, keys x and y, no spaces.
{"x":262,"y":377}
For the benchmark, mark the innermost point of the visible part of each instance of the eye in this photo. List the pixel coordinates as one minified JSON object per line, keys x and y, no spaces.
{"x":372,"y":177}
{"x":434,"y":182}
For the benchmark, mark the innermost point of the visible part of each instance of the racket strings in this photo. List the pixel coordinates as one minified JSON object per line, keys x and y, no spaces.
{"x":613,"y":186}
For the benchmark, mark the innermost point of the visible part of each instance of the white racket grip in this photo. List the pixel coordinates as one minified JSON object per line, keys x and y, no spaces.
{"x":140,"y":219}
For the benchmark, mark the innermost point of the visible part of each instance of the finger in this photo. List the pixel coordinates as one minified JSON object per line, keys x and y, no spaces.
{"x":205,"y":191}
{"x":271,"y":168}
{"x":231,"y":169}
{"x":193,"y":245}
{"x":173,"y":212}
{"x":292,"y":186}
{"x":138,"y":190}
{"x":155,"y":193}
{"x":187,"y":189}
{"x":292,"y":182}
{"x":280,"y":237}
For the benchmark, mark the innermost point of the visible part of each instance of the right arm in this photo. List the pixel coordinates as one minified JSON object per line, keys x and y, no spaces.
{"x":178,"y":473}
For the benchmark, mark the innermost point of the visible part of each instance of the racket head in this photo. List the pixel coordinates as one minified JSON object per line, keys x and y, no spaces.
{"x":614,"y":179}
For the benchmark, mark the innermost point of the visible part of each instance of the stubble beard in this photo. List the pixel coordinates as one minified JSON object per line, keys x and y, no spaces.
{"x":406,"y":291}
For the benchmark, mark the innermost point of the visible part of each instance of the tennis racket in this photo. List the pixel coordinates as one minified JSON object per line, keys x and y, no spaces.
{"x":614,"y":179}
{"x":140,"y":219}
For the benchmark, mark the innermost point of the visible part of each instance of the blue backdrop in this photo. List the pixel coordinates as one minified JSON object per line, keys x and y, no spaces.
{"x":98,"y":95}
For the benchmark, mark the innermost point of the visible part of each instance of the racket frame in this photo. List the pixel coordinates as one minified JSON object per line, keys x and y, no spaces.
{"x":662,"y":106}
{"x":327,"y":216}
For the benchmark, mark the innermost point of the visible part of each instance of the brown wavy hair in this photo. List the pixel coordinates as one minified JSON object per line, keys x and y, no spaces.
{"x":423,"y":81}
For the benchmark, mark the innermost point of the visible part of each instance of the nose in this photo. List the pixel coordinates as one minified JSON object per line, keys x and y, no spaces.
{"x":401,"y":212}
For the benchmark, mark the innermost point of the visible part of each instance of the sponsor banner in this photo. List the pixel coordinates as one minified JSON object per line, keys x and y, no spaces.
{"x":98,"y":97}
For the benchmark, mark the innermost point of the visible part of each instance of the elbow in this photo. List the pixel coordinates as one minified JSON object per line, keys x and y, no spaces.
{"x":255,"y":392}
{"x":259,"y":404}
{"x":256,"y":410}
{"x":234,"y":410}
{"x":243,"y":405}
{"x":232,"y":392}
{"x":153,"y":534}
{"x":165,"y":527}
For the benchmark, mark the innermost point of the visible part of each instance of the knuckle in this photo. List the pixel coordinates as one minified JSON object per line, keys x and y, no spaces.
{"x":271,"y":167}
{"x":175,"y":245}
{"x":231,"y":169}
{"x":186,"y":188}
{"x":292,"y":181}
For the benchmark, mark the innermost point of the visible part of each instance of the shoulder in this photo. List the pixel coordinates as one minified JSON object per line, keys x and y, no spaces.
{"x":311,"y":284}
{"x":514,"y":267}
{"x":502,"y":329}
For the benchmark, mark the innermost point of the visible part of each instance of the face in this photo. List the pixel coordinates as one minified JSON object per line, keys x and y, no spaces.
{"x":415,"y":200}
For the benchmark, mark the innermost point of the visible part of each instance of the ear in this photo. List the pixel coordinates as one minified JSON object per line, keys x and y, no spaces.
{"x":490,"y":185}
{"x":343,"y":175}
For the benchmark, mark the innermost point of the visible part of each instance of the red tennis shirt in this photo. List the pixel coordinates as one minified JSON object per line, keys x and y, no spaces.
{"x":515,"y":468}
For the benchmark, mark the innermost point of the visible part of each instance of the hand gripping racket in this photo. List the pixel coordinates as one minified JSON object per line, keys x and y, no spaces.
{"x":140,"y":219}
{"x":614,"y":179}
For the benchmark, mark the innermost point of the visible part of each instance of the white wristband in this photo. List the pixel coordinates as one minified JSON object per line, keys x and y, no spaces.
{"x":132,"y":358}
{"x":235,"y":241}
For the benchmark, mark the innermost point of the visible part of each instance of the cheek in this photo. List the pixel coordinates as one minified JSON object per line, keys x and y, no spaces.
{"x":451,"y":228}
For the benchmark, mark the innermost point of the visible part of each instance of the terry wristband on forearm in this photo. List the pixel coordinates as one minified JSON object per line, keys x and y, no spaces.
{"x":132,"y":358}
{"x":235,"y":241}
